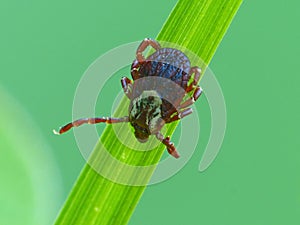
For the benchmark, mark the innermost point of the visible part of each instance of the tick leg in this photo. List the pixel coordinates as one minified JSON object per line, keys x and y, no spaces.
{"x":180,"y":115}
{"x":188,"y":102}
{"x":127,"y":86}
{"x":197,"y":73}
{"x":170,"y":146}
{"x":191,"y":100}
{"x":134,"y":69}
{"x":79,"y":122}
{"x":145,"y":43}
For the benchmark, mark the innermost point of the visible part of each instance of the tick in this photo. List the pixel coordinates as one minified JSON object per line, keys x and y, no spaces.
{"x":153,"y":102}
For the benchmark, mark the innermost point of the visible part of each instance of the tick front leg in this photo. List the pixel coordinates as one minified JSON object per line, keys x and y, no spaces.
{"x":127,"y":86}
{"x":79,"y":122}
{"x":170,"y":146}
{"x":146,"y":42}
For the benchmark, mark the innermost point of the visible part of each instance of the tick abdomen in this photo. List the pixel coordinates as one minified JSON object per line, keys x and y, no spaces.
{"x":167,"y":63}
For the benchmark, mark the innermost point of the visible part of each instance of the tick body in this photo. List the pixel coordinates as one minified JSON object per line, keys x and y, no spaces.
{"x":157,"y":94}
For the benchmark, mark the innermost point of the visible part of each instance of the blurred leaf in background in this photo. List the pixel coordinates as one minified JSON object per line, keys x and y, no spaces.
{"x":30,"y":187}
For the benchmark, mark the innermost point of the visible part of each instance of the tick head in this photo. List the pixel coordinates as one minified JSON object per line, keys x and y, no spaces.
{"x":144,"y":112}
{"x":141,"y":133}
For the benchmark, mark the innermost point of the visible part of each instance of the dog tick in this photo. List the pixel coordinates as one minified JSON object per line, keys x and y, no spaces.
{"x":154,"y":103}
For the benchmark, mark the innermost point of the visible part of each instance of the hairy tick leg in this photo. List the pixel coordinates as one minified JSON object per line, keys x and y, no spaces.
{"x":79,"y":122}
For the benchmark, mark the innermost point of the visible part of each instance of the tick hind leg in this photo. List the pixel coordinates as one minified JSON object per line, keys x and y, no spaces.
{"x":127,"y":86}
{"x":142,"y":47}
{"x":80,"y":122}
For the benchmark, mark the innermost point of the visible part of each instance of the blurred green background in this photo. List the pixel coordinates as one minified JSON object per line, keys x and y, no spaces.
{"x":45,"y":47}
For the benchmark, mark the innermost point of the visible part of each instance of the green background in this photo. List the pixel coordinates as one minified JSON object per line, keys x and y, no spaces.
{"x":45,"y":47}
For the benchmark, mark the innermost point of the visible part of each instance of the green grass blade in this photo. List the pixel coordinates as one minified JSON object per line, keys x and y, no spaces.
{"x":197,"y":25}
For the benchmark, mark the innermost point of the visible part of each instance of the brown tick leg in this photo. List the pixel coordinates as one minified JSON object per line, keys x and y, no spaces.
{"x":135,"y":69}
{"x":79,"y":122}
{"x":190,"y":101}
{"x":145,"y":43}
{"x":170,"y":146}
{"x":127,"y":86}
{"x":197,"y":73}
{"x":180,"y":115}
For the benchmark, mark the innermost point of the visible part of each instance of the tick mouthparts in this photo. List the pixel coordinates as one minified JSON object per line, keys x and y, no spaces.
{"x":142,"y":140}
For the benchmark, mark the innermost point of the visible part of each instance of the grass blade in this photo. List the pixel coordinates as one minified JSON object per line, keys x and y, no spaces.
{"x":197,"y":25}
